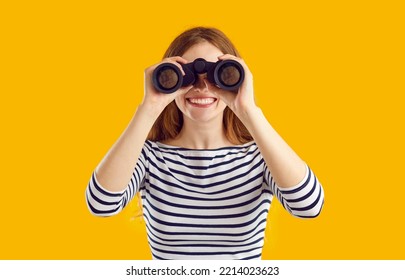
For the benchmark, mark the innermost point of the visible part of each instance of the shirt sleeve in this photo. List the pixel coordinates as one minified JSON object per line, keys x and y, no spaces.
{"x":304,"y":200}
{"x":102,"y":202}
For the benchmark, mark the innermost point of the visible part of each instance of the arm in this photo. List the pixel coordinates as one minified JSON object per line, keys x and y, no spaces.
{"x":103,"y":202}
{"x":288,"y":176}
{"x":115,"y":170}
{"x":118,"y":176}
{"x":304,"y":200}
{"x":285,"y":165}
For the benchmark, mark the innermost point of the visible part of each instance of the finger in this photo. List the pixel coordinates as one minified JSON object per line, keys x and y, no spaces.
{"x":176,"y":58}
{"x":178,"y":65}
{"x":238,"y":59}
{"x":181,"y":59}
{"x":228,"y":56}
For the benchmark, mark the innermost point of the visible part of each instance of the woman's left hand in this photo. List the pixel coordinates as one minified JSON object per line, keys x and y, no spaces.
{"x":242,"y":100}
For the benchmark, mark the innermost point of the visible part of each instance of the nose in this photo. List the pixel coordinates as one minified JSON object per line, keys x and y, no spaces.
{"x":199,"y":82}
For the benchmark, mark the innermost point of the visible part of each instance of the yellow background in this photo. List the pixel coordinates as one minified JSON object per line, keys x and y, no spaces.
{"x":329,"y":76}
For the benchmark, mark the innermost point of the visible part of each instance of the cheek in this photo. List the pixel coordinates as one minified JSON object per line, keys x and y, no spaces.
{"x":180,"y":103}
{"x":221,"y":105}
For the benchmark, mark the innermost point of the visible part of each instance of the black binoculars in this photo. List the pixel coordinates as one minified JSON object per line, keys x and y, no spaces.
{"x":225,"y":74}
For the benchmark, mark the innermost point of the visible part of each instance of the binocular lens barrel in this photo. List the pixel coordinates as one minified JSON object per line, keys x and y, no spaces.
{"x":226,"y":74}
{"x":168,"y":78}
{"x":229,"y":75}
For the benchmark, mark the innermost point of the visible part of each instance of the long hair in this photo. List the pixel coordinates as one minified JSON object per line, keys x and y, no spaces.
{"x":169,"y":123}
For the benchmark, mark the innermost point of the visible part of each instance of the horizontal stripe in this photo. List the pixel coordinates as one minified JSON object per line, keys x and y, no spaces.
{"x":208,"y":244}
{"x":205,"y":204}
{"x":103,"y":211}
{"x":312,"y":205}
{"x":181,"y":152}
{"x":199,"y":225}
{"x":211,"y":175}
{"x":258,"y":256}
{"x":305,"y":197}
{"x":213,"y":195}
{"x":102,"y":190}
{"x":203,"y":233}
{"x":189,"y":239}
{"x":209,"y":217}
{"x":99,"y":200}
{"x":202,"y":207}
{"x":204,"y":253}
{"x":205,"y":167}
{"x":166,"y":174}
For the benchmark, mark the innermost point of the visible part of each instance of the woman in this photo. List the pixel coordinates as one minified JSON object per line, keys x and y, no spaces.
{"x":206,"y":163}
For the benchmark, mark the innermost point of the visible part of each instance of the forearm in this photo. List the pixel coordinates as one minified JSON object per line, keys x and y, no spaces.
{"x":115,"y":170}
{"x":284,"y":164}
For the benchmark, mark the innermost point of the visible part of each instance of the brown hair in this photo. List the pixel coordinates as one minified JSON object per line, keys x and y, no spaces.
{"x":169,"y":123}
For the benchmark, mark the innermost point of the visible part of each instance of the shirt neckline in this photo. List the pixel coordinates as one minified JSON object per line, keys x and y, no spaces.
{"x":167,"y":146}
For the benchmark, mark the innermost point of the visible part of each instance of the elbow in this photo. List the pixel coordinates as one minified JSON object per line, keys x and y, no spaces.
{"x":306,"y":199}
{"x":96,"y":211}
{"x":308,"y":208}
{"x":99,"y":207}
{"x":311,"y":212}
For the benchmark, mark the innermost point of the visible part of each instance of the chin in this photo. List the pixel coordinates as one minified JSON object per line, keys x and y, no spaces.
{"x":203,"y":118}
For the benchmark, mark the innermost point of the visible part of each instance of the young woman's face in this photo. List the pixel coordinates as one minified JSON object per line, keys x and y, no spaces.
{"x":199,"y":104}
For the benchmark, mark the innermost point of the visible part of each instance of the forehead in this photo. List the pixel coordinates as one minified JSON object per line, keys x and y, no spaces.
{"x":204,"y":50}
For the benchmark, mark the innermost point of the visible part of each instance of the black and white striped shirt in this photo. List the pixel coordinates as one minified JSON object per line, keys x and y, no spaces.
{"x":205,"y":204}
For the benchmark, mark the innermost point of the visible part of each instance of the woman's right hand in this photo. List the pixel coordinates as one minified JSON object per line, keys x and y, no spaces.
{"x":155,"y":100}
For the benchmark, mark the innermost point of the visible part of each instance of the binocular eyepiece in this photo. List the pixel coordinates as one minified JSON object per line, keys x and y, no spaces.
{"x":225,"y":74}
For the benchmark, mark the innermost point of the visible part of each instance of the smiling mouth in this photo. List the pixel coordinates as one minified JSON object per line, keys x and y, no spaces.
{"x":202,"y":101}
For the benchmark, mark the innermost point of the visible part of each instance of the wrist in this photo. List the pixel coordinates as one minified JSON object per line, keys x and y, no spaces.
{"x":148,"y":110}
{"x":248,"y":114}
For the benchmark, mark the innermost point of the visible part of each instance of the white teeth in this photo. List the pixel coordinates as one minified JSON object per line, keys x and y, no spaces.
{"x":202,"y":100}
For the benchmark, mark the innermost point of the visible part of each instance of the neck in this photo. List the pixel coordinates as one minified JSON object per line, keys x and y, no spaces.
{"x":202,"y":135}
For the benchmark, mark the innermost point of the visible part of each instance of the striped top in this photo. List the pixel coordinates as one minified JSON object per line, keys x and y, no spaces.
{"x":205,"y":204}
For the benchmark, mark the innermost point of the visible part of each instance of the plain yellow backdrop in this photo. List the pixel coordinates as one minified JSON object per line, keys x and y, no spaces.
{"x":329,"y":76}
